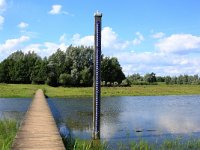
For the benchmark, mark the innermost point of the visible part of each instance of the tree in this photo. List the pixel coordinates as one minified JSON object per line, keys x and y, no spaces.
{"x":52,"y":77}
{"x":59,"y":60}
{"x":19,"y":67}
{"x":75,"y":61}
{"x":86,"y":77}
{"x":39,"y":73}
{"x":135,"y":78}
{"x":180,"y":79}
{"x":167,"y":79}
{"x":160,"y":79}
{"x":150,"y":78}
{"x":80,"y":64}
{"x":29,"y":63}
{"x":75,"y":74}
{"x":4,"y":71}
{"x":111,"y":70}
{"x":65,"y":79}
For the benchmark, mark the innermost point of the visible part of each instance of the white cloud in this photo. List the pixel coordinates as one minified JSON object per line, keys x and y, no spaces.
{"x":158,"y":35}
{"x":138,"y":39}
{"x":11,"y":44}
{"x":23,"y":25}
{"x":57,"y":9}
{"x":179,"y":44}
{"x":160,"y":63}
{"x":87,"y":40}
{"x":110,"y":40}
{"x":169,"y":121}
{"x":63,"y":38}
{"x":1,"y":21}
{"x":45,"y":49}
{"x":32,"y":47}
{"x":2,"y":5}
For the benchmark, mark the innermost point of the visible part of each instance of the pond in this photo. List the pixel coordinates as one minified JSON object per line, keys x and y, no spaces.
{"x":122,"y":118}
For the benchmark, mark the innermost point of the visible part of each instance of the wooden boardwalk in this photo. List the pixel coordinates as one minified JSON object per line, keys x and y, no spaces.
{"x":38,"y":131}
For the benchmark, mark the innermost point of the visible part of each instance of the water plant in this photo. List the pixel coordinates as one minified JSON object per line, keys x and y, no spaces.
{"x":168,"y":144}
{"x":8,"y":130}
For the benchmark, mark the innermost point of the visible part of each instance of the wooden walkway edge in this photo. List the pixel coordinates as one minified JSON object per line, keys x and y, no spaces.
{"x":38,"y":131}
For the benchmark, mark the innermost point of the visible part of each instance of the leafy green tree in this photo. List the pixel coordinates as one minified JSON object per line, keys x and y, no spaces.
{"x":16,"y":67}
{"x":126,"y":82}
{"x":75,"y":61}
{"x":65,"y":79}
{"x":52,"y":77}
{"x":75,"y":74}
{"x":86,"y":77}
{"x":136,"y":79}
{"x":150,"y":78}
{"x":18,"y":55}
{"x":180,"y":79}
{"x":173,"y":80}
{"x":58,"y":59}
{"x":111,"y":70}
{"x":160,"y":79}
{"x":79,"y":61}
{"x":29,"y":63}
{"x":167,"y":79}
{"x":19,"y":67}
{"x":39,"y":73}
{"x":4,"y":71}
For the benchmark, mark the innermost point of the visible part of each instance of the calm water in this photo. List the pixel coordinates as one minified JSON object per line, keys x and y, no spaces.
{"x":149,"y":117}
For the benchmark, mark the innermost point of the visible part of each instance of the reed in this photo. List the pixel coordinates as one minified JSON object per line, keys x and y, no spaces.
{"x":168,"y":144}
{"x":8,"y":130}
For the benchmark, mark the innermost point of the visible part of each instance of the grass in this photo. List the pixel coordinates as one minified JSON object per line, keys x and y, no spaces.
{"x":177,"y":144}
{"x":8,"y":130}
{"x":28,"y":90}
{"x":72,"y":144}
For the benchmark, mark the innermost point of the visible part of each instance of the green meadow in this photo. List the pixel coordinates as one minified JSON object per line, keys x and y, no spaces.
{"x":28,"y":90}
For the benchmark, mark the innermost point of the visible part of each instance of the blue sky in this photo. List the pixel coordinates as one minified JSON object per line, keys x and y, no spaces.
{"x":146,"y":36}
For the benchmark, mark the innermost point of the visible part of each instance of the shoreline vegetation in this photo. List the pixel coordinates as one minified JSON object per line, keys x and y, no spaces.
{"x":168,"y":144}
{"x":28,"y":90}
{"x":8,"y":130}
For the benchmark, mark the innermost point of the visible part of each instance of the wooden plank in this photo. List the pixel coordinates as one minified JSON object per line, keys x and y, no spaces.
{"x":38,"y":131}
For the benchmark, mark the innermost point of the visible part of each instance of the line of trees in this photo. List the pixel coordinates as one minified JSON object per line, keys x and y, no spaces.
{"x":73,"y":67}
{"x":151,"y":78}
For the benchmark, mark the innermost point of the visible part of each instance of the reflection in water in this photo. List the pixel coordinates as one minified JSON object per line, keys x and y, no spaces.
{"x":133,"y":117}
{"x":149,"y":117}
{"x":177,"y":123}
{"x":13,"y":108}
{"x":12,"y":115}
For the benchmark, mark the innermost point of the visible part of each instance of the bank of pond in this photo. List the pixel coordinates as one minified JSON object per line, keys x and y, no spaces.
{"x":8,"y":130}
{"x":139,"y":122}
{"x":28,"y":90}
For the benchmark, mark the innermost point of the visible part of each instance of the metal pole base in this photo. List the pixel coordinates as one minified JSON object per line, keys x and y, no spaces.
{"x":96,"y":135}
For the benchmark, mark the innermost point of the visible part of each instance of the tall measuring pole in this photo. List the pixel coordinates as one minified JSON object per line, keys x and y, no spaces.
{"x":97,"y":76}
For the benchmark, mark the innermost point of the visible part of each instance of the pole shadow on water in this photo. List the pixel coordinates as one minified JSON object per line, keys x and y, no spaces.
{"x":64,"y":131}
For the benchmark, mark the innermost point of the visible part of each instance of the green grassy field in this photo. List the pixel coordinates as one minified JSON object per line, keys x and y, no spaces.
{"x":28,"y":90}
